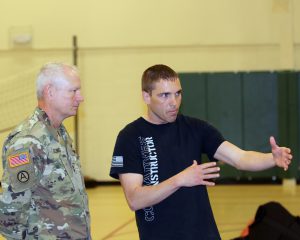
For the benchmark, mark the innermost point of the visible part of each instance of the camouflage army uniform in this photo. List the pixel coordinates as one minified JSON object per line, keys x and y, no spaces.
{"x":43,"y":190}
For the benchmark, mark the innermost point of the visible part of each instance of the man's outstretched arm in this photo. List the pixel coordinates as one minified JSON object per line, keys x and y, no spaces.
{"x":254,"y":161}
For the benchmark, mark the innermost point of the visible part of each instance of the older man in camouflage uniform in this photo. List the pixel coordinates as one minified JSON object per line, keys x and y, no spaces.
{"x":44,"y":195}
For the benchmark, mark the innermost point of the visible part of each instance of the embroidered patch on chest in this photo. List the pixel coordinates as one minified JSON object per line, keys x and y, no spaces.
{"x":18,"y":159}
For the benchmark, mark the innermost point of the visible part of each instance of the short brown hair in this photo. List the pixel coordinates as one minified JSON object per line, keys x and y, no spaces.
{"x":156,"y":73}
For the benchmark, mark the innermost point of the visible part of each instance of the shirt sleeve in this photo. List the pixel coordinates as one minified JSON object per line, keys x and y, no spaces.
{"x":126,"y":156}
{"x":20,"y":176}
{"x":212,"y":140}
{"x":21,"y":164}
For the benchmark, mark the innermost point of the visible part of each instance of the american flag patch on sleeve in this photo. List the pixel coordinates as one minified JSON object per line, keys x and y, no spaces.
{"x":117,"y":161}
{"x":18,"y":159}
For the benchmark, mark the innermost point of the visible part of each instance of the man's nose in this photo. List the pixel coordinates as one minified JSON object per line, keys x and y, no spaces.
{"x":79,"y":97}
{"x":173,"y":100}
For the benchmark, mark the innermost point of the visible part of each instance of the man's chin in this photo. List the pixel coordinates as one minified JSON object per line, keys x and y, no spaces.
{"x":75,"y":110}
{"x":172,"y":119}
{"x":73,"y":113}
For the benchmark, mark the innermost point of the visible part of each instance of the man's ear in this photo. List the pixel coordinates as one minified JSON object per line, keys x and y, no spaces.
{"x":48,"y":91}
{"x":146,"y":97}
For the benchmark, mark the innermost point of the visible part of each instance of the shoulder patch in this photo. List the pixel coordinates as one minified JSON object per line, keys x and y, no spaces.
{"x":21,"y":171}
{"x":19,"y":159}
{"x":117,"y":161}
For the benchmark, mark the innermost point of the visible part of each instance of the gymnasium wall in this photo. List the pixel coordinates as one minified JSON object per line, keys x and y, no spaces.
{"x":248,"y":108}
{"x":118,"y":39}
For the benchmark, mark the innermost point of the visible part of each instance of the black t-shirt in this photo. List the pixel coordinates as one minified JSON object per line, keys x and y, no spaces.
{"x":158,"y":152}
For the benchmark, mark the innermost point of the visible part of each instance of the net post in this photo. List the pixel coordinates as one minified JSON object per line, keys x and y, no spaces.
{"x":76,"y":133}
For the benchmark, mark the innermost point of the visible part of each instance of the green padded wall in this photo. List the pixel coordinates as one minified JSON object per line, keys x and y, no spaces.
{"x":248,"y":107}
{"x":260,"y":101}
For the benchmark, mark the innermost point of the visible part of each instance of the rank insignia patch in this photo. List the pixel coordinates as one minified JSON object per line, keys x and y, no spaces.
{"x":18,"y":159}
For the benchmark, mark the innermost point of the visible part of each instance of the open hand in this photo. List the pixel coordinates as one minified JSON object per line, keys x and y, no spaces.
{"x":281,"y":155}
{"x":199,"y":174}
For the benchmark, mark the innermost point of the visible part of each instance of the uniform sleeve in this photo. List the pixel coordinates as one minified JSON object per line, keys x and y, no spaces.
{"x":126,"y":156}
{"x":212,"y":140}
{"x":22,"y":161}
{"x":20,"y":176}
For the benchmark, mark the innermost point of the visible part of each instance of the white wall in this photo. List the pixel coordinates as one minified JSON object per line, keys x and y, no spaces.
{"x":119,"y":39}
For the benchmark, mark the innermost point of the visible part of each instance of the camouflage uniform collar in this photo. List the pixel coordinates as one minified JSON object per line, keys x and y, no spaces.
{"x":42,"y":115}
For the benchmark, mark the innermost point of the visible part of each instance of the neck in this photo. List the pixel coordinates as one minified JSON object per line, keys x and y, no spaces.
{"x":54,"y":120}
{"x":153,"y":118}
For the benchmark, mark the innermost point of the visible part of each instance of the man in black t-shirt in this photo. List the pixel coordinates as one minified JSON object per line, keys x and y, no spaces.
{"x":158,"y":161}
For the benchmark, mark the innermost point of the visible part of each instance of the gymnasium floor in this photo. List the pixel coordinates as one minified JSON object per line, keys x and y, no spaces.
{"x":233,"y":205}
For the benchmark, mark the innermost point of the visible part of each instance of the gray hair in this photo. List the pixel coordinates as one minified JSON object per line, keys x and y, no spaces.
{"x":51,"y":73}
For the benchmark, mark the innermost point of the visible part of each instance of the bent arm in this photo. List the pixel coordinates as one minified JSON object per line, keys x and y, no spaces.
{"x":139,"y":196}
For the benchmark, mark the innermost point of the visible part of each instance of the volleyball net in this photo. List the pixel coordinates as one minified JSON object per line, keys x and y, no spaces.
{"x":17,"y":98}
